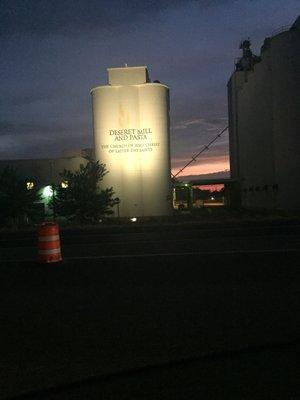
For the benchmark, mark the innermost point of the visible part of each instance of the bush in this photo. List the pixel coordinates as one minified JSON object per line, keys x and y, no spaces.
{"x":17,"y":203}
{"x":82,"y":200}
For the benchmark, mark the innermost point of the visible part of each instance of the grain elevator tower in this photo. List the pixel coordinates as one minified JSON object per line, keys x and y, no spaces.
{"x":131,"y":136}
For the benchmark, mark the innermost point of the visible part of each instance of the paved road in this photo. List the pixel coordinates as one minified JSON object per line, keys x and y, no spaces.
{"x":190,"y":239}
{"x":149,"y":315}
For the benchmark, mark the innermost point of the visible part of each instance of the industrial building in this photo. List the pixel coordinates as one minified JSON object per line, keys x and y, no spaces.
{"x":264,"y":123}
{"x":131,"y":135}
{"x":132,"y":138}
{"x":45,"y":173}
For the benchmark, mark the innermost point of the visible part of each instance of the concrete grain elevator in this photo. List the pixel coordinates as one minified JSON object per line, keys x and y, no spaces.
{"x":264,"y":122}
{"x":131,"y":136}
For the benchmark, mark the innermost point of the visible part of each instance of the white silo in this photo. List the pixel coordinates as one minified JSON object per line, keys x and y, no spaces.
{"x":131,"y":136}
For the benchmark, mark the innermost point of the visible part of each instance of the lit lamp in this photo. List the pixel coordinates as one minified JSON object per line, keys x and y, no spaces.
{"x":64,"y":184}
{"x":48,"y":192}
{"x":29,"y":185}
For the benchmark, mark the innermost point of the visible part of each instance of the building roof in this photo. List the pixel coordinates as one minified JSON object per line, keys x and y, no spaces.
{"x":44,"y":172}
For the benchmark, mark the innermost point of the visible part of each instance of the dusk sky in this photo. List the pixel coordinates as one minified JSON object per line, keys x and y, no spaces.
{"x":54,"y":52}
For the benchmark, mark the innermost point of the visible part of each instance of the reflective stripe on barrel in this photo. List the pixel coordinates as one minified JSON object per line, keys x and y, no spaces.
{"x":51,"y":251}
{"x":49,"y":243}
{"x":50,"y":238}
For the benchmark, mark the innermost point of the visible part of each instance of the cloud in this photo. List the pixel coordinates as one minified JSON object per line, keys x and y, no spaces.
{"x":188,"y":137}
{"x":20,"y":100}
{"x":40,"y":143}
{"x":6,"y":128}
{"x":186,"y":124}
{"x":43,"y":17}
{"x":209,"y":124}
{"x":216,"y":158}
{"x":216,"y":150}
{"x":202,"y":165}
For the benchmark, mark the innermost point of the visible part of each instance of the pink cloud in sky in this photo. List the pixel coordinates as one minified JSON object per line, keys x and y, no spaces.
{"x":215,"y":164}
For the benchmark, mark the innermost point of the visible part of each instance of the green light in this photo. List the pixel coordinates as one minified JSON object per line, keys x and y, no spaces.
{"x":47,"y":191}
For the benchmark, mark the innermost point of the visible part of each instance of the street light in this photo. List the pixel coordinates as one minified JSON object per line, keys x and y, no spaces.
{"x":48,"y":191}
{"x":49,"y":194}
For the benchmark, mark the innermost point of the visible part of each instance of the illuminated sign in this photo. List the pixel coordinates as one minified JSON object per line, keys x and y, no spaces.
{"x":131,"y":134}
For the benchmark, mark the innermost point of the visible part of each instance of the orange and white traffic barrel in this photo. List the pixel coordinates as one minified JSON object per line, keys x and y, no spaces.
{"x":48,"y":243}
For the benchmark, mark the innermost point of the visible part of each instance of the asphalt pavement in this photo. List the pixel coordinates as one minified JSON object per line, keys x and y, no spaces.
{"x":165,"y":312}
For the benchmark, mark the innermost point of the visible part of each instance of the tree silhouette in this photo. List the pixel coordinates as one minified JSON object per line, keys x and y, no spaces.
{"x":81,"y":199}
{"x":17,"y":203}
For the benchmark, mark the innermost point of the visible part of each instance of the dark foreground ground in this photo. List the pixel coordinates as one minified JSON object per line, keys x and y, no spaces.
{"x":199,"y":312}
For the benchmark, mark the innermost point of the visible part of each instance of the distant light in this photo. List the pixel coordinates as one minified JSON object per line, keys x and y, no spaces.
{"x":186,"y":184}
{"x":133,"y":219}
{"x":29,"y":185}
{"x":212,"y":198}
{"x":47,"y":191}
{"x":64,"y":184}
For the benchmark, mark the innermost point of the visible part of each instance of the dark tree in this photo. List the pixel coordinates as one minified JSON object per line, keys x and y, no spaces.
{"x":82,"y":200}
{"x":17,"y":203}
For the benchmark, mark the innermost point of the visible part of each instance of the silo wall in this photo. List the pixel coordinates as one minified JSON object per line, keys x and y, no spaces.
{"x":131,"y":135}
{"x":264,"y":125}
